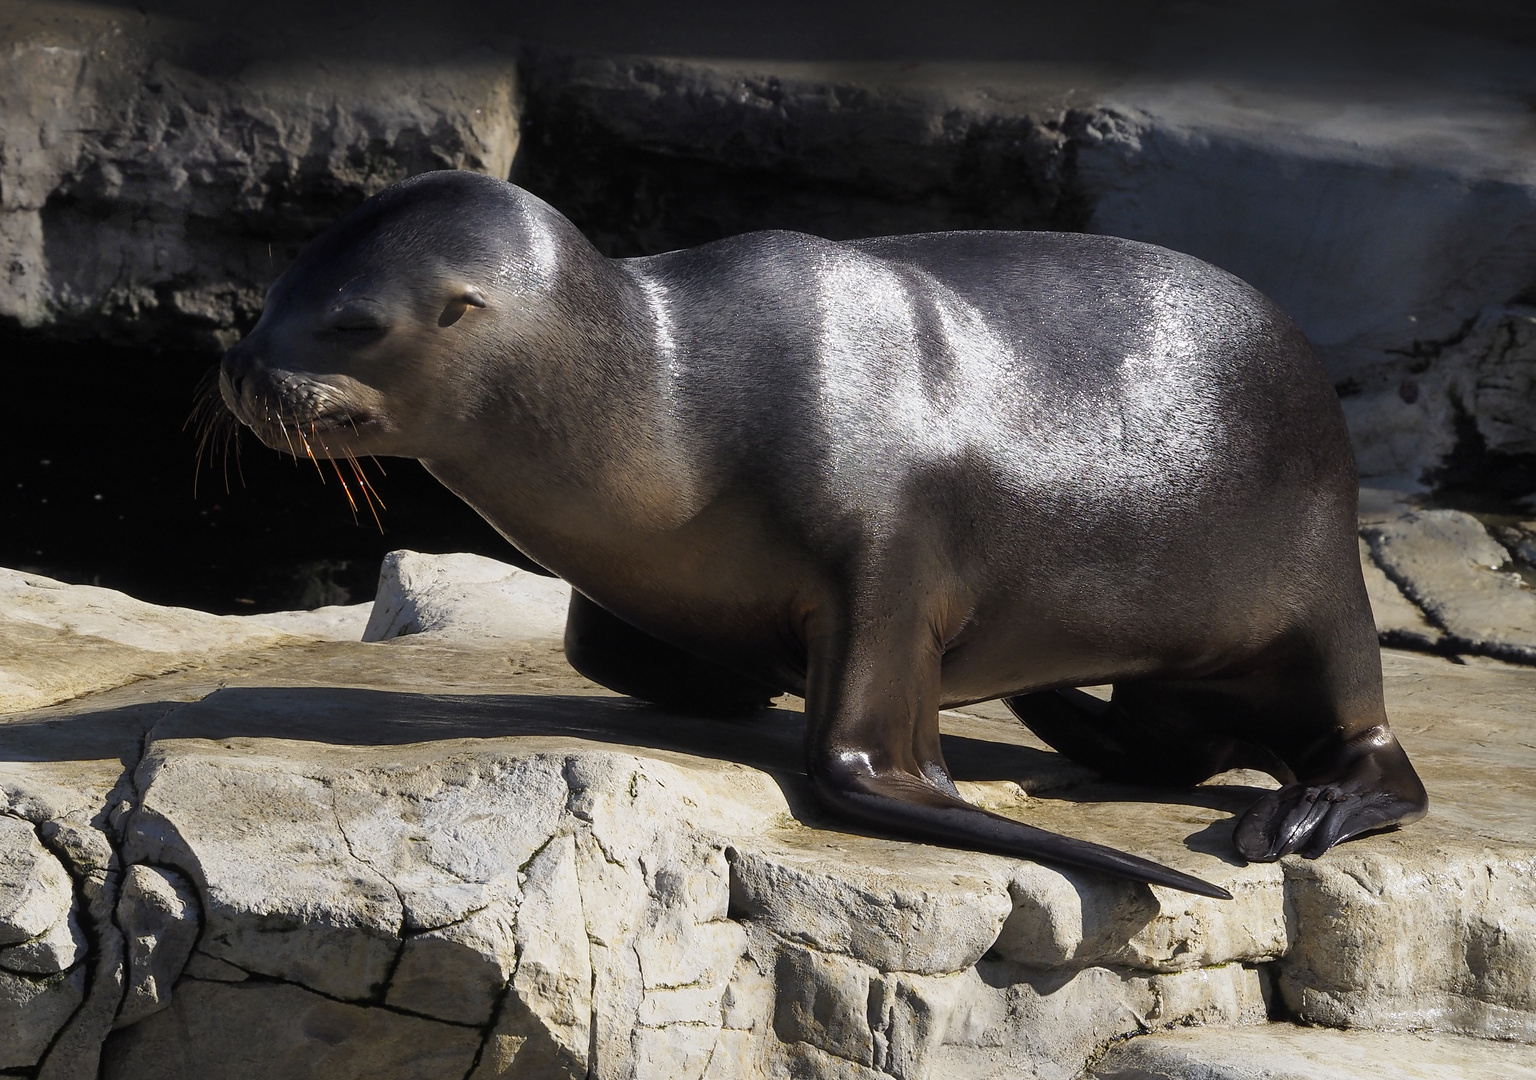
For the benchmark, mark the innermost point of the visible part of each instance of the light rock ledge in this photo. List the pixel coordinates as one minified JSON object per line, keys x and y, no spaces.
{"x":425,"y":857}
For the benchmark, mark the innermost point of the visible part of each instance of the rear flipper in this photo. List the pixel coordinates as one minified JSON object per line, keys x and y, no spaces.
{"x":611,"y":652}
{"x":1368,"y":785}
{"x":1157,"y":739}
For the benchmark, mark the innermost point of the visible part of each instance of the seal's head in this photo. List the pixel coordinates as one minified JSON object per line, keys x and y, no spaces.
{"x":353,"y":349}
{"x":459,"y":320}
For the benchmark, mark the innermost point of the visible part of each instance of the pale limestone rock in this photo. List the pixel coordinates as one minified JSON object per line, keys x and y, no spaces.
{"x":909,"y":1017}
{"x":1068,"y":917}
{"x":804,"y":1060}
{"x":32,"y":1010}
{"x":60,"y":948}
{"x":465,"y":599}
{"x":61,"y":777}
{"x":748,"y":1001}
{"x":157,"y":912}
{"x":76,"y":1052}
{"x":307,"y":909}
{"x":273,"y":1031}
{"x":978,"y":1018}
{"x":656,"y":894}
{"x":35,"y":891}
{"x":824,"y":1000}
{"x":550,"y":1003}
{"x":1421,"y":936}
{"x":1048,"y":1023}
{"x":457,"y":972}
{"x":482,"y":859}
{"x":1446,"y":562}
{"x":1222,"y":996}
{"x":211,"y":969}
{"x":890,"y":1023}
{"x":1398,"y":621}
{"x":809,"y":887}
{"x":339,"y":622}
{"x":1287,"y":1052}
{"x":59,"y":641}
{"x":736,"y":1054}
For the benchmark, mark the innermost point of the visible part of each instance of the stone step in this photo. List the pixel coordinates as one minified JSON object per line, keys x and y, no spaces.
{"x":273,"y":853}
{"x":1289,"y":1052}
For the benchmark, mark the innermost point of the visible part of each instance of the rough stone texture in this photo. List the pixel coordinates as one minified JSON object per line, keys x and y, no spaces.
{"x":1377,"y":180}
{"x":32,"y":1010}
{"x":454,"y":865}
{"x":1446,"y":942}
{"x":1448,"y":564}
{"x":1520,"y":539}
{"x":1399,"y":621}
{"x":1394,"y":223}
{"x":465,"y":598}
{"x":157,"y":912}
{"x":35,"y":891}
{"x":1283,"y":1052}
{"x":273,"y":1031}
{"x":112,"y":639}
{"x":155,"y":173}
{"x":1485,"y":370}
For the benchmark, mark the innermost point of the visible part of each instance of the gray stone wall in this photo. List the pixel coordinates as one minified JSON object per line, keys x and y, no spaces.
{"x":157,"y":172}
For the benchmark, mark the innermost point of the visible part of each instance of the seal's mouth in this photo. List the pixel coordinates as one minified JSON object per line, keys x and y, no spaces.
{"x":293,"y":412}
{"x":344,"y":423}
{"x":292,"y":415}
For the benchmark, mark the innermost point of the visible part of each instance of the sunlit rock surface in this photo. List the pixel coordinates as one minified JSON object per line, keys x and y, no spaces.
{"x":448,"y":854}
{"x":1275,"y":1053}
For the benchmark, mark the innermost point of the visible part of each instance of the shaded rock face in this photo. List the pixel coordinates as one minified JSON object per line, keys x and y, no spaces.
{"x":1479,"y":385}
{"x":1398,"y":234}
{"x":446,"y":854}
{"x":155,"y":176}
{"x":647,"y":154}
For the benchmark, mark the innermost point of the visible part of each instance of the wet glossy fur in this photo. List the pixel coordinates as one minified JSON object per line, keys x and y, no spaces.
{"x":891,"y":475}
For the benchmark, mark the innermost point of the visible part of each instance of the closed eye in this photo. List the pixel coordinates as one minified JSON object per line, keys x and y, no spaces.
{"x":355,"y":322}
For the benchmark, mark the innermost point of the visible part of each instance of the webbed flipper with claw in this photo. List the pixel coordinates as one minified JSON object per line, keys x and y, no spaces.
{"x":1374,"y":788}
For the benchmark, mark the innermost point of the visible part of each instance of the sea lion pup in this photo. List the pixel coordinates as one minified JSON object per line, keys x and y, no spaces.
{"x":892,"y":475}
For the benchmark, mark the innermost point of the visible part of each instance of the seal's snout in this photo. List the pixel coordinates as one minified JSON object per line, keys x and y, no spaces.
{"x":237,"y":378}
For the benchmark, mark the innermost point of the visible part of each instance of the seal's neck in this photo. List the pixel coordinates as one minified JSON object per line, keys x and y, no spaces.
{"x":572,"y":422}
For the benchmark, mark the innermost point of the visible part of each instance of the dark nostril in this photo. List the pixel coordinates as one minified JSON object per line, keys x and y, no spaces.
{"x":235,"y":373}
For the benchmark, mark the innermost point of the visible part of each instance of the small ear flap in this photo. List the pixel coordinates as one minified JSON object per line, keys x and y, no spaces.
{"x":470,"y":296}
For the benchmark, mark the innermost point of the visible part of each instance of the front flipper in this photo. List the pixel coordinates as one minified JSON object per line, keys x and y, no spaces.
{"x":872,"y":755}
{"x":912,"y":806}
{"x":1369,"y":785}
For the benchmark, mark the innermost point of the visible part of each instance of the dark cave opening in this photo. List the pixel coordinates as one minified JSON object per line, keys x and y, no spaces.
{"x":97,"y":488}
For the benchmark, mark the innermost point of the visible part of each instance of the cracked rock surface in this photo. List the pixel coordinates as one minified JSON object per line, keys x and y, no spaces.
{"x":1465,"y":582}
{"x":447,"y":854}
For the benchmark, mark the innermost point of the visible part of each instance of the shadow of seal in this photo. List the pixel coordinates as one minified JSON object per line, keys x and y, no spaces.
{"x":891,"y":475}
